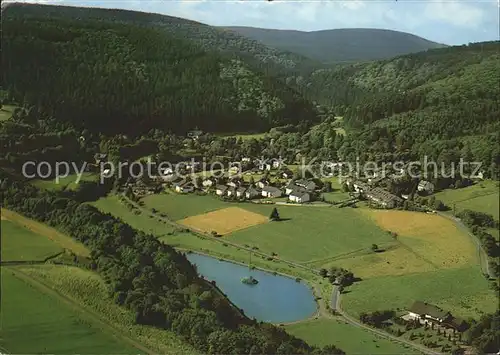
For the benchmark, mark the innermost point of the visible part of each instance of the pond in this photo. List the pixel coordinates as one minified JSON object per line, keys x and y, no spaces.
{"x":275,"y":299}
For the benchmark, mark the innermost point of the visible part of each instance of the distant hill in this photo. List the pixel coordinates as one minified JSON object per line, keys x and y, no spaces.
{"x":340,"y":45}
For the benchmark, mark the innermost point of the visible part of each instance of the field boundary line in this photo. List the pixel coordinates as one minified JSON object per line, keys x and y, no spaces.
{"x":217,"y":239}
{"x":79,"y":308}
{"x":44,"y":230}
{"x":335,"y":304}
{"x":481,"y":253}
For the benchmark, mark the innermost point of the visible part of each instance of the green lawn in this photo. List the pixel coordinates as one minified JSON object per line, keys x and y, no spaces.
{"x":310,"y":233}
{"x":21,"y":244}
{"x":351,"y":339}
{"x":68,"y":182}
{"x":482,"y":197}
{"x":111,"y":204}
{"x":34,"y":322}
{"x":6,"y":112}
{"x":87,"y":289}
{"x":180,"y":206}
{"x":464,"y":292}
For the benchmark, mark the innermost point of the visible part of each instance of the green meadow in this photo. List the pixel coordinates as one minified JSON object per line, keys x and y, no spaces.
{"x":481,"y":197}
{"x":68,"y":182}
{"x":89,"y":291}
{"x":35,"y":322}
{"x":464,"y":292}
{"x":142,"y":221}
{"x":352,"y":340}
{"x":179,"y":206}
{"x":308,"y":234}
{"x":21,"y":244}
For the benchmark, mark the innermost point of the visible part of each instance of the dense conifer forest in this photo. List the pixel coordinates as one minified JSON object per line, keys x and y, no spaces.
{"x":111,"y":75}
{"x":442,"y":103}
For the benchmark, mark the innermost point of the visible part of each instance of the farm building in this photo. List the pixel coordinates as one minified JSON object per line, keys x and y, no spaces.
{"x":425,"y":186}
{"x":220,"y":190}
{"x":251,"y":193}
{"x":299,"y":197}
{"x":271,"y":191}
{"x":428,"y":312}
{"x":383,"y":198}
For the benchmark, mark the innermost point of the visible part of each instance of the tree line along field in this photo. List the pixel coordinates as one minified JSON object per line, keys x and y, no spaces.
{"x":481,"y":197}
{"x":353,"y":340}
{"x":68,"y":307}
{"x":429,"y":259}
{"x":68,"y":182}
{"x":34,"y":321}
{"x":325,"y":237}
{"x":21,"y":244}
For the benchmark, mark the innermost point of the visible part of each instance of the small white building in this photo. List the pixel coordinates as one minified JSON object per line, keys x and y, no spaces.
{"x":231,"y":191}
{"x":271,"y":191}
{"x":209,"y":182}
{"x":299,"y":197}
{"x":184,"y":188}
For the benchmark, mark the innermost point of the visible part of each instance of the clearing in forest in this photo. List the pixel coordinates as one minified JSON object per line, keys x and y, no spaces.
{"x":41,"y":229}
{"x":224,"y":221}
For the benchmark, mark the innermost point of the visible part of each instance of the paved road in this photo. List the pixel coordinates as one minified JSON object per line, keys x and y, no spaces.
{"x":483,"y":257}
{"x":335,"y":305}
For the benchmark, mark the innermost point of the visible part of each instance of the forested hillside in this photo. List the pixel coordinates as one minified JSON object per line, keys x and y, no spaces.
{"x":114,"y":71}
{"x":340,"y":45}
{"x":441,"y":103}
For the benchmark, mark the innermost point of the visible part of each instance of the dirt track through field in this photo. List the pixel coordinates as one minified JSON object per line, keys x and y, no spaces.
{"x":77,"y":307}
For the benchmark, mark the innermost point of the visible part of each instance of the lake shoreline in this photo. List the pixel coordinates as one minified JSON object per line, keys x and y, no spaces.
{"x":306,"y":283}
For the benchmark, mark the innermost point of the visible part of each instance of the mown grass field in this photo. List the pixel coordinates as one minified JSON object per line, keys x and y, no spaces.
{"x":352,"y":340}
{"x":224,"y":221}
{"x":178,"y":206}
{"x":481,"y":197}
{"x":89,"y":290}
{"x":21,"y":244}
{"x":433,"y":238}
{"x":463,"y":291}
{"x":69,"y":182}
{"x":112,"y":205}
{"x":34,"y":322}
{"x":52,"y":234}
{"x":309,"y":234}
